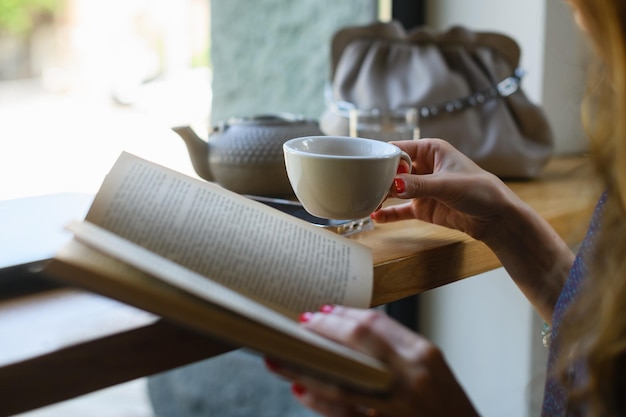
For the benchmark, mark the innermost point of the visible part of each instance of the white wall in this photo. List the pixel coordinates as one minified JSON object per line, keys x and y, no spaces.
{"x":563,"y":77}
{"x":485,"y":326}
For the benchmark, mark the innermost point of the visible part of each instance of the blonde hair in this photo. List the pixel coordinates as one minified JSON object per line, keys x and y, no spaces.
{"x":594,"y":329}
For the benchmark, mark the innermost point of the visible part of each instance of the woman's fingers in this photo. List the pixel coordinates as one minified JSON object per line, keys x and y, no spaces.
{"x":313,"y":391}
{"x":332,"y":407}
{"x":365,"y":324}
{"x":360,"y":331}
{"x":368,"y":330}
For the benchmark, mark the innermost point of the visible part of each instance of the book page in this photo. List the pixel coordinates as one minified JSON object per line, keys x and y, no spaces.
{"x":239,"y":243}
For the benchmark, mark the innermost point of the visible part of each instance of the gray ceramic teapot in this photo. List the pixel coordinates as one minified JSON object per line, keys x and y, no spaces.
{"x":245,"y":154}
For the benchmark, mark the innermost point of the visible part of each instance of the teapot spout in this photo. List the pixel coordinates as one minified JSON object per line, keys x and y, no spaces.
{"x":198,"y":151}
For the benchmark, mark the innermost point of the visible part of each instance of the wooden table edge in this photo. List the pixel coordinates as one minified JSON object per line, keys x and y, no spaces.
{"x":82,"y":368}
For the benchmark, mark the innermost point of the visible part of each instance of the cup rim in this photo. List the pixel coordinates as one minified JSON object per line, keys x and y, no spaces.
{"x":394,"y":150}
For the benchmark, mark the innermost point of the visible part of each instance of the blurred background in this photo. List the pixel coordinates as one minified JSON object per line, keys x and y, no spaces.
{"x":109,"y":50}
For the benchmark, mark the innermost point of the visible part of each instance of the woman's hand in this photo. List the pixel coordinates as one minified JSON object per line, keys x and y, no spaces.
{"x":424,"y":385}
{"x":448,"y":189}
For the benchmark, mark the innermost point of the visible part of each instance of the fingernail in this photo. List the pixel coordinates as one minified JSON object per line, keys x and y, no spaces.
{"x":399,"y":185}
{"x":297,"y":389}
{"x":271,"y":364}
{"x":304,"y":317}
{"x":327,"y":308}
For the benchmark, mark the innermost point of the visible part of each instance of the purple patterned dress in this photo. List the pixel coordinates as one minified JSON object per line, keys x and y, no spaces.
{"x":554,"y":401}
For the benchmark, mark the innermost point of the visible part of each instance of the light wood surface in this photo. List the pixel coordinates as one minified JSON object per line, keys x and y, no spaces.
{"x":61,"y":343}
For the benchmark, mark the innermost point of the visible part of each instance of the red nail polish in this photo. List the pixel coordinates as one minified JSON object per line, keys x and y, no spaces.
{"x":327,"y":308}
{"x":297,"y":389}
{"x":304,"y":317}
{"x":399,"y":185}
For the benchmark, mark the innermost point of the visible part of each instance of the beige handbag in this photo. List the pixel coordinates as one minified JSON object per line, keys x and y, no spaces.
{"x":464,"y":85}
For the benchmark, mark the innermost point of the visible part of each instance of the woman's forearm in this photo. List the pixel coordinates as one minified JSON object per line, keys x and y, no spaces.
{"x":533,"y":254}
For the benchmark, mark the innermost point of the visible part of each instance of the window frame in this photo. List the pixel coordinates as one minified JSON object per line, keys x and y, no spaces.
{"x":411,"y":13}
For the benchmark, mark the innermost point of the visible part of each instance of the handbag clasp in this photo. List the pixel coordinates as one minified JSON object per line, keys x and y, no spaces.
{"x":510,"y":84}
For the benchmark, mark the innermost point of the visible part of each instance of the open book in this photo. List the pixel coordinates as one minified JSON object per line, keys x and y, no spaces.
{"x":224,"y":265}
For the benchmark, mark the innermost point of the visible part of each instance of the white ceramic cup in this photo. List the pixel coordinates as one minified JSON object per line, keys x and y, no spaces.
{"x":341,"y":178}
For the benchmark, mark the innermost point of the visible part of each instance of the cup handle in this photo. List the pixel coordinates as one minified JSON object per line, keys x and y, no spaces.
{"x":405,"y":156}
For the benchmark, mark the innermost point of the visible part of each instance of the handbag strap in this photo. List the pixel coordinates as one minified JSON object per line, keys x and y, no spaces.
{"x":504,"y":88}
